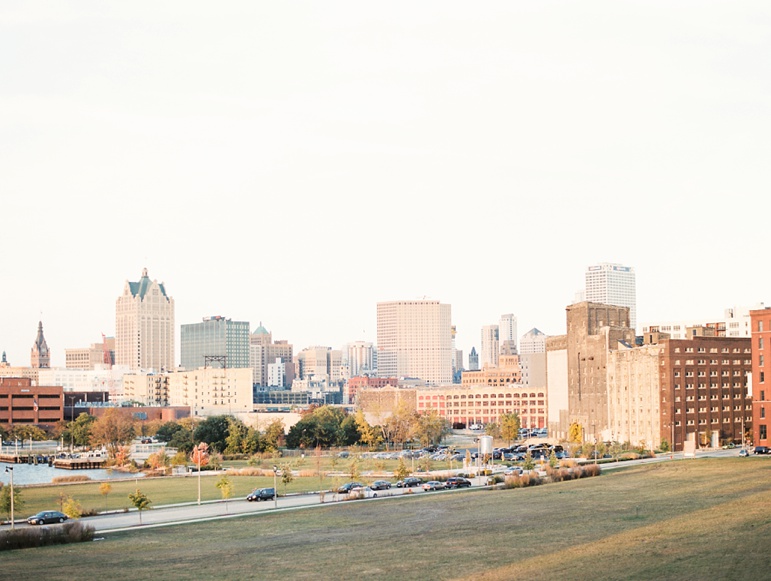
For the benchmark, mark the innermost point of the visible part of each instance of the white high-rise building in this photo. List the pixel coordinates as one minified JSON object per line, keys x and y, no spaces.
{"x":414,"y":339}
{"x":613,"y":284}
{"x":507,"y":334}
{"x":734,"y":323}
{"x":144,"y":326}
{"x":359,"y":358}
{"x":490,"y":348}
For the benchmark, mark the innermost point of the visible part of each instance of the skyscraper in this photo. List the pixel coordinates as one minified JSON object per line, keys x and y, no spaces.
{"x":215,"y":336}
{"x":613,"y":284}
{"x":414,"y":339}
{"x":507,"y":334}
{"x":41,"y":356}
{"x":490,"y":348}
{"x":144,"y":326}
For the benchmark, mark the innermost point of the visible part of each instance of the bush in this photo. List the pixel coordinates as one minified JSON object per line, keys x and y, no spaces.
{"x":73,"y":478}
{"x":70,"y":532}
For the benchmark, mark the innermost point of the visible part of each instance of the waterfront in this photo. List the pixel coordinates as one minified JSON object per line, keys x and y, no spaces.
{"x":43,"y":474}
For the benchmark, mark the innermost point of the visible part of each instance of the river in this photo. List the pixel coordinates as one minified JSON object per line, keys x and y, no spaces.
{"x":44,"y":474}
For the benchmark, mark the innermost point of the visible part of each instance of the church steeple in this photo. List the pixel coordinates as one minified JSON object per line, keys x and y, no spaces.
{"x":41,"y":356}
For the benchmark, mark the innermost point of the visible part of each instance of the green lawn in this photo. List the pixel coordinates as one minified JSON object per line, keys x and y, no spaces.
{"x":690,"y":519}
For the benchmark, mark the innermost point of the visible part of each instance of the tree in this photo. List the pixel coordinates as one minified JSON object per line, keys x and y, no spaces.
{"x":286,"y":476}
{"x":399,"y":427}
{"x":236,"y":438}
{"x":140,"y":502}
{"x":367,"y":434}
{"x":112,"y":430}
{"x":575,"y":433}
{"x":274,"y":435}
{"x":5,"y":500}
{"x":214,"y":431}
{"x":529,"y":463}
{"x":431,"y":428}
{"x":510,"y":425}
{"x":159,"y":459}
{"x":401,"y":471}
{"x":226,"y":489}
{"x":28,"y":432}
{"x":72,"y":508}
{"x":122,"y":456}
{"x":200,"y":455}
{"x":79,"y":429}
{"x":355,"y":468}
{"x":493,"y":429}
{"x":105,"y":488}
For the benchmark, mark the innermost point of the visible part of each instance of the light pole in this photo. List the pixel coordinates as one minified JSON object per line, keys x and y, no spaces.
{"x":275,"y":486}
{"x":594,"y":433}
{"x":199,"y":477}
{"x":10,"y":469}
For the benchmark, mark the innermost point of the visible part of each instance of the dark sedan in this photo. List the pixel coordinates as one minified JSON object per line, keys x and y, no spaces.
{"x":47,"y":517}
{"x":409,"y":482}
{"x":457,"y":482}
{"x":380,"y":485}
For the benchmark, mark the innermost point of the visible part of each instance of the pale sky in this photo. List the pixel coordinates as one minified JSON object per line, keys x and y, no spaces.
{"x":297,"y":162}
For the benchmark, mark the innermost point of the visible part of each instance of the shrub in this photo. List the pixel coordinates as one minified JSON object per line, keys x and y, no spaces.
{"x":73,"y":478}
{"x":70,"y":532}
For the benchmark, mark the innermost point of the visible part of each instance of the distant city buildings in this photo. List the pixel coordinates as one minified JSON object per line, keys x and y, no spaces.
{"x":613,"y":284}
{"x":214,"y":337}
{"x":144,"y":326}
{"x":736,"y":322}
{"x":359,"y":358}
{"x":414,"y":339}
{"x":761,"y":394}
{"x":97,"y":355}
{"x":263,"y":352}
{"x":473,"y":360}
{"x":507,"y":334}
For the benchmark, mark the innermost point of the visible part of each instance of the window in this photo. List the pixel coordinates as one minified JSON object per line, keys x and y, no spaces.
{"x":763,"y":434}
{"x":760,"y":343}
{"x":762,"y":412}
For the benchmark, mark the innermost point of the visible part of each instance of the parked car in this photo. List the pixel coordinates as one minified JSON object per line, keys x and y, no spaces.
{"x":432,"y":485}
{"x":761,"y":450}
{"x":513,"y":471}
{"x":409,"y":482}
{"x":457,"y":482}
{"x":362,"y":492}
{"x":47,"y":517}
{"x":744,"y":452}
{"x":346,"y":488}
{"x":380,"y":485}
{"x":261,"y":494}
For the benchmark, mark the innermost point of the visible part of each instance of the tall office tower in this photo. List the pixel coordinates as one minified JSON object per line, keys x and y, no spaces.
{"x":214,"y":336}
{"x":490,"y":348}
{"x":41,"y":356}
{"x":473,"y":360}
{"x":414,"y":339}
{"x":358,"y":358}
{"x":144,"y":326}
{"x":613,"y":284}
{"x":534,"y":341}
{"x":507,"y":334}
{"x":263,"y":351}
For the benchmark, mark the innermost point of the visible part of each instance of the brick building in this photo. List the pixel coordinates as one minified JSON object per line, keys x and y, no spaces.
{"x":24,"y":403}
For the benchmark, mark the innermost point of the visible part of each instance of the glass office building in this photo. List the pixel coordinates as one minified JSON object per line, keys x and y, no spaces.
{"x":214,"y":337}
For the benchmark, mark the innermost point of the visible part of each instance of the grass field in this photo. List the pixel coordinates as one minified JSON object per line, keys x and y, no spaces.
{"x":173,"y":490}
{"x":690,"y":519}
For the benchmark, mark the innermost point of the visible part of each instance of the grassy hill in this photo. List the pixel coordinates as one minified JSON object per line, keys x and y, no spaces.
{"x":689,"y":519}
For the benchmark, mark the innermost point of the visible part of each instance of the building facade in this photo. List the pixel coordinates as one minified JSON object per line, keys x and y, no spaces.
{"x":507,"y":334}
{"x":214,"y":336}
{"x":613,"y":284}
{"x":534,"y":341}
{"x":97,"y":355}
{"x":263,"y":351}
{"x":507,"y":372}
{"x":21,"y":402}
{"x":593,"y":330}
{"x":414,"y":339}
{"x":359,"y":359}
{"x":212,"y":391}
{"x":144,"y":326}
{"x":761,"y":394}
{"x":736,"y":322}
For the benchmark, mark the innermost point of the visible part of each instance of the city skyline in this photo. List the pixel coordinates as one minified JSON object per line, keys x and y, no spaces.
{"x":479,"y":156}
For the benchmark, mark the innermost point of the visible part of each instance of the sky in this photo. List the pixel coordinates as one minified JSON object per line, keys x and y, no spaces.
{"x":295,"y":163}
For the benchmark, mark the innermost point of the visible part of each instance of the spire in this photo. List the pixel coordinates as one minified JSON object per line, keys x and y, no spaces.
{"x":41,"y":357}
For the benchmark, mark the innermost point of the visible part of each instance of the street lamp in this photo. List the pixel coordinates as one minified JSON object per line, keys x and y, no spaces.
{"x":10,"y":469}
{"x":275,"y":486}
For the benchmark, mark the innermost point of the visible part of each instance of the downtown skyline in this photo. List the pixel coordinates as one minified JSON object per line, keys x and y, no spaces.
{"x":296,"y":165}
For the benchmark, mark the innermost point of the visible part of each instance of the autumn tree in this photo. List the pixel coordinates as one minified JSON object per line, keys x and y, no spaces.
{"x":112,"y":430}
{"x":368,"y":435}
{"x":273,"y":435}
{"x":399,"y":427}
{"x":401,"y":471}
{"x":159,"y":459}
{"x":510,"y":425}
{"x":286,"y":477}
{"x":140,"y":502}
{"x":72,"y":508}
{"x":226,"y":489}
{"x":28,"y":432}
{"x":431,"y":428}
{"x":237,"y":436}
{"x":79,"y":430}
{"x":105,"y":488}
{"x":575,"y":433}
